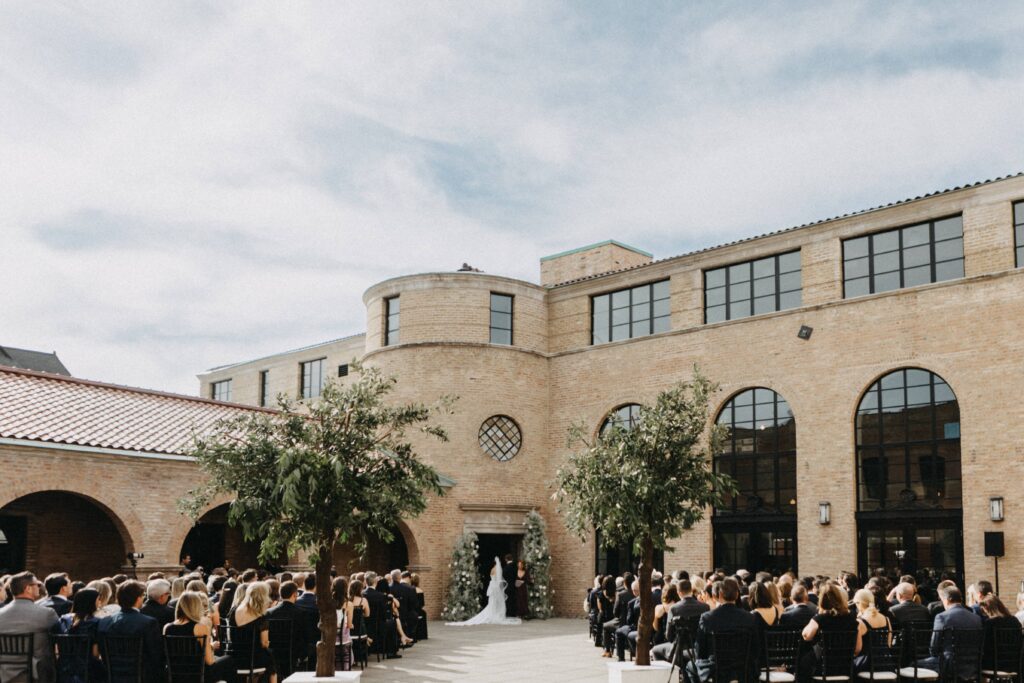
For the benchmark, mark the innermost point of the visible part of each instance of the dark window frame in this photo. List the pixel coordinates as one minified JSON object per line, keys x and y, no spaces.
{"x":215,"y":388}
{"x":901,"y":252}
{"x":305,"y":394}
{"x":1018,"y":233}
{"x":630,"y":306}
{"x":617,"y":418}
{"x":777,"y":282}
{"x":511,"y":318}
{"x":264,"y":377}
{"x":392,"y":334}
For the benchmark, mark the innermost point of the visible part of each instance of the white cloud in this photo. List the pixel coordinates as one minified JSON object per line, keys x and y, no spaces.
{"x":187,"y":186}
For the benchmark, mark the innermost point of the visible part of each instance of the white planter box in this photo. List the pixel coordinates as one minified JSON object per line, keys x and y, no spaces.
{"x":310,"y":677}
{"x":628,"y":672}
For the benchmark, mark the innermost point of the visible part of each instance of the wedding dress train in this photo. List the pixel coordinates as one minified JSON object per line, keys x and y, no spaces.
{"x":494,"y":611}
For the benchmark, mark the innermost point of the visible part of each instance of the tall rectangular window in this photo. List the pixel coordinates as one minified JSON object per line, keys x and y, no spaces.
{"x":221,"y":391}
{"x":264,"y":387}
{"x":751,"y":288}
{"x":391,"y":310}
{"x":501,"y":318}
{"x":904,"y":257}
{"x":627,"y":313}
{"x":1018,"y":232}
{"x":312,"y":377}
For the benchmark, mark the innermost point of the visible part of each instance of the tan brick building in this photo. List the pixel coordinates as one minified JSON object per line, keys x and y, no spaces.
{"x":870,"y":371}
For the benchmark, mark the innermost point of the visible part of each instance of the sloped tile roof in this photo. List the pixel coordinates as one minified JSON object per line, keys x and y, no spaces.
{"x":861,"y":212}
{"x":38,"y":406}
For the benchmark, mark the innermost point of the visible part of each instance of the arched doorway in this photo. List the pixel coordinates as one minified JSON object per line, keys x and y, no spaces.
{"x":909,"y":503}
{"x":380,"y":556}
{"x":212,"y":541}
{"x":59,"y":531}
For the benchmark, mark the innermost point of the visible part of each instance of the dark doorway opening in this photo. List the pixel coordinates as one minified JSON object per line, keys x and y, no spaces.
{"x":212,"y":542}
{"x":205,"y":545}
{"x":928,"y":549}
{"x":615,"y":561}
{"x":755,"y":546}
{"x":490,"y":546}
{"x":13,"y":536}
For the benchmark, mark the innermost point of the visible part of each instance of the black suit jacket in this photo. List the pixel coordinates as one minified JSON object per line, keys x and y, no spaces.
{"x":689,"y":608}
{"x":910,"y":612}
{"x":57,"y":603}
{"x":162,"y":613}
{"x":408,"y":605}
{"x":508,"y":574}
{"x":622,"y":598}
{"x":133,"y":623}
{"x":633,"y":613}
{"x":796,"y":617}
{"x":724,"y":618}
{"x":304,"y":631}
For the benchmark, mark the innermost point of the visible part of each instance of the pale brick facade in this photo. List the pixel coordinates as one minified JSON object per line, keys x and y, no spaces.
{"x":965,"y":330}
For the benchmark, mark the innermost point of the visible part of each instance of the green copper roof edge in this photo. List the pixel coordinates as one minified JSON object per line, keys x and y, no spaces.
{"x":594,"y":246}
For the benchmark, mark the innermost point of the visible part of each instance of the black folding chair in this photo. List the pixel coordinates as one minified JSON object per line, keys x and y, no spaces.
{"x":186,"y":659}
{"x":282,"y":646}
{"x":781,"y":650}
{"x":74,"y":653}
{"x":16,"y":650}
{"x":360,"y":647}
{"x":732,"y":663}
{"x":836,"y":650}
{"x":883,"y":657}
{"x":917,"y":641}
{"x":122,"y":656}
{"x":1005,"y":665}
{"x":243,"y":652}
{"x":964,"y":655}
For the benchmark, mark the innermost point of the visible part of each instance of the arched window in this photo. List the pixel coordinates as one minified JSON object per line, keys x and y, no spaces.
{"x":908,"y":443}
{"x":759,"y":453}
{"x":623,"y":417}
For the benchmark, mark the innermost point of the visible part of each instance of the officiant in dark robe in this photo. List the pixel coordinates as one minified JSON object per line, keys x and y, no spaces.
{"x":508,"y":574}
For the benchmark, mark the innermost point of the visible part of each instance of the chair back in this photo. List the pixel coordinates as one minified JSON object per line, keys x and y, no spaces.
{"x":16,"y":652}
{"x":780,"y":651}
{"x":965,"y":653}
{"x":282,"y":645}
{"x":731,"y":652}
{"x":882,"y":656}
{"x":186,"y":658}
{"x":122,"y":655}
{"x":241,"y":648}
{"x":1006,"y":651}
{"x":73,"y":654}
{"x":837,"y":651}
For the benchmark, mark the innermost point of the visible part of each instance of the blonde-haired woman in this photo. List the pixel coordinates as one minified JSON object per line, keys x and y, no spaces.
{"x":250,"y":630}
{"x":178,"y":586}
{"x":105,"y":608}
{"x":189,"y":621}
{"x":870,"y":620}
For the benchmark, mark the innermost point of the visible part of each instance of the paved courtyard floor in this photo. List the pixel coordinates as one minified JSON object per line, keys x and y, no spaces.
{"x":556,"y":650}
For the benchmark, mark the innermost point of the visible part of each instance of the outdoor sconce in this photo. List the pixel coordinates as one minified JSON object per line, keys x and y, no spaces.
{"x":824,"y":513}
{"x":995,"y":508}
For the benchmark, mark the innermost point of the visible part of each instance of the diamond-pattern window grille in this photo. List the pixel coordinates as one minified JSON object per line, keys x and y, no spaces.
{"x":500,"y":437}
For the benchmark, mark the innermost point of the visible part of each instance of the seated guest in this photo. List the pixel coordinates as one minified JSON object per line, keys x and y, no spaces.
{"x":382,"y":587}
{"x":307,"y":599}
{"x":606,"y":600}
{"x":23,"y":615}
{"x":906,"y":611}
{"x":726,"y":617}
{"x":421,"y":600}
{"x":934,"y":608}
{"x":953,"y":616}
{"x":996,"y":617}
{"x":226,"y":599}
{"x":275,"y":591}
{"x":250,"y":635}
{"x":767,"y":614}
{"x":380,"y":623}
{"x":833,"y":617}
{"x":669,"y":598}
{"x":58,"y":594}
{"x":158,"y":594}
{"x":82,"y":621}
{"x":800,"y":612}
{"x":405,"y":594}
{"x":684,"y":612}
{"x":304,"y":637}
{"x":982,"y":590}
{"x":188,"y":621}
{"x":629,"y":624}
{"x":1020,"y":608}
{"x":177,"y":588}
{"x":129,"y":621}
{"x":357,"y":609}
{"x":622,"y":598}
{"x":871,"y":620}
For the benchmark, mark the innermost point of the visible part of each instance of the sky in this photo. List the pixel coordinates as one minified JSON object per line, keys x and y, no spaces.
{"x":189,"y":184}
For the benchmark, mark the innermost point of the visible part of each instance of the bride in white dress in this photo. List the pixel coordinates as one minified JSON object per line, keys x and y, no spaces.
{"x":494,"y":611}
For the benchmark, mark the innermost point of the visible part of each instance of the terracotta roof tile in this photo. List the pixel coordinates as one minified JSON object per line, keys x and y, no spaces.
{"x":53,"y":408}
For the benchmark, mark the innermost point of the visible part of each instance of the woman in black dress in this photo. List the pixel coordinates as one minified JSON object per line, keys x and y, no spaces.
{"x":82,"y":621}
{"x":998,"y":617}
{"x":249,"y":621}
{"x":421,"y":610}
{"x":833,"y":616}
{"x":189,"y":621}
{"x":523,"y":583}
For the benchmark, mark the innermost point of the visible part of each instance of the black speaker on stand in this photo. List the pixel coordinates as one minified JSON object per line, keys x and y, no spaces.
{"x":995,"y":547}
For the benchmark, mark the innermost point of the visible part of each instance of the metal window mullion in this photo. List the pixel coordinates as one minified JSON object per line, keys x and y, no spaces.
{"x":899,"y":236}
{"x":931,"y":251}
{"x":728,"y":293}
{"x":650,"y":308}
{"x":871,"y":266}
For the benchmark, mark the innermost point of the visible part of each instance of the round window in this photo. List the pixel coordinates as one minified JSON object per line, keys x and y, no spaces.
{"x":500,"y":437}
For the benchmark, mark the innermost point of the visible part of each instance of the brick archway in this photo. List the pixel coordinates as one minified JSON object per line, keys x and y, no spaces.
{"x":183,"y":523}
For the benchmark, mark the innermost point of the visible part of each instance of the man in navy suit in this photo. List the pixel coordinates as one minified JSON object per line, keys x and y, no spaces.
{"x":632,"y":619}
{"x":728,"y":617}
{"x":800,"y":613}
{"x":684,"y":612}
{"x":130,"y":622}
{"x":954,"y":616}
{"x":58,"y":594}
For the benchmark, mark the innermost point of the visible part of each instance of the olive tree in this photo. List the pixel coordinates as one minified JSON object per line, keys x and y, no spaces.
{"x":642,"y":484}
{"x":311,"y":476}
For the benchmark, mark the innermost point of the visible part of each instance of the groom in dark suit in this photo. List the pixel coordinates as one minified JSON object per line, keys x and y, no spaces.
{"x":508,"y":573}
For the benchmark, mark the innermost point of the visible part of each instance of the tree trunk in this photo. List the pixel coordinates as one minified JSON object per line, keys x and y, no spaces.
{"x":646,"y":626}
{"x":328,"y":615}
